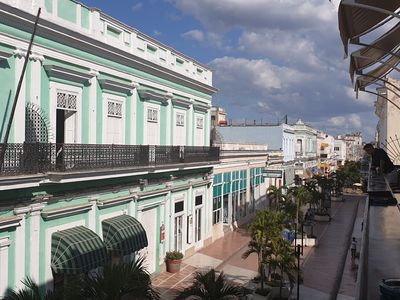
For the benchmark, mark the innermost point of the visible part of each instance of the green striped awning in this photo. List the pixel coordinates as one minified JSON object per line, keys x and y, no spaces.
{"x":124,"y":235}
{"x":76,"y":250}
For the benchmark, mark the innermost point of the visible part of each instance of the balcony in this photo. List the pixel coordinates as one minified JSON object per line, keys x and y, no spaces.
{"x":36,"y":158}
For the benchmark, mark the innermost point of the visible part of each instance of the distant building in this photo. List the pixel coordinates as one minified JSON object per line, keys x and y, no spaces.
{"x":353,"y":141}
{"x":325,"y":152}
{"x":278,"y":138}
{"x":388,"y":127}
{"x":218,"y":116}
{"x":306,"y":148}
{"x":339,"y":152}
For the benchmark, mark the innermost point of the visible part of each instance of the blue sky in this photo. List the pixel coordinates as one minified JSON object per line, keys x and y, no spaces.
{"x":269,"y":58}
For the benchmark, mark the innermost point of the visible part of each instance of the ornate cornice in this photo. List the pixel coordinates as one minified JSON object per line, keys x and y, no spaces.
{"x":116,"y":86}
{"x":67,"y":74}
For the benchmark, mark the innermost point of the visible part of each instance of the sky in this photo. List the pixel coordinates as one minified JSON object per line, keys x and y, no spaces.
{"x":269,"y":58}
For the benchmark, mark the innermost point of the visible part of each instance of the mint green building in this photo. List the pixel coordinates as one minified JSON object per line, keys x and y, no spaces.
{"x":111,"y":131}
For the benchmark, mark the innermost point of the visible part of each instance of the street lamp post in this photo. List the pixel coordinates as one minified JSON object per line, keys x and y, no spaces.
{"x":298,"y":270}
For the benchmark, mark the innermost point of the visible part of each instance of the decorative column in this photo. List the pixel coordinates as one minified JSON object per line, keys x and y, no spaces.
{"x":92,"y":106}
{"x":20,"y":245}
{"x":207,"y":126}
{"x":92,"y":213}
{"x":19,"y":116}
{"x":36,"y":210}
{"x":4,"y":245}
{"x":191,"y":124}
{"x":169,"y":119}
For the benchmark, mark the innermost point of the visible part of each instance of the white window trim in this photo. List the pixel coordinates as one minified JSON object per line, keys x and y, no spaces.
{"x":152,"y":119}
{"x":111,"y":97}
{"x":146,"y":127}
{"x":199,"y":125}
{"x":181,"y":120}
{"x":56,"y":87}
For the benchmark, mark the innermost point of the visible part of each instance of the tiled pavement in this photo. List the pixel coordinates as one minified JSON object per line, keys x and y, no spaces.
{"x":320,"y":265}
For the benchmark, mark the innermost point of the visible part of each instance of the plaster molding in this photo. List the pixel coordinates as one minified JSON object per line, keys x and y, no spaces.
{"x":147,"y":95}
{"x":65,"y":211}
{"x":116,"y":86}
{"x":5,"y":242}
{"x":67,"y":74}
{"x":22,"y":210}
{"x":115,"y":201}
{"x":5,"y":55}
{"x":10,"y":222}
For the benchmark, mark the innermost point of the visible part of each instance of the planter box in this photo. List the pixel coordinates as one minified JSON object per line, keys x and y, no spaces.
{"x":173,"y":265}
{"x":337,"y":198}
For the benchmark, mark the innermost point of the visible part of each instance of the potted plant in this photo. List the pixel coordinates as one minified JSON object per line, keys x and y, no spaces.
{"x":173,"y":260}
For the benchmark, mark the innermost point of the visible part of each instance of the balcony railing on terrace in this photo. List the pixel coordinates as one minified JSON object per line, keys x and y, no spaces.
{"x":33,"y":158}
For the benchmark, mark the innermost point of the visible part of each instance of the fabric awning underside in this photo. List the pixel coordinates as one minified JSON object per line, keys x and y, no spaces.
{"x":77,"y":250}
{"x":377,"y":51}
{"x":355,"y":21}
{"x":378,"y":73}
{"x":124,"y":235}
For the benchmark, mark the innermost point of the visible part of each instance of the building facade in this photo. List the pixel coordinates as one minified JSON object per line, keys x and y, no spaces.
{"x":388,"y":128}
{"x":306,"y":148}
{"x":111,"y":127}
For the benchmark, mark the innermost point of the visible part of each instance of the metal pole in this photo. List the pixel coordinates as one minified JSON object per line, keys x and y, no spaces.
{"x":21,"y":78}
{"x":298,"y":272}
{"x":302,"y":238}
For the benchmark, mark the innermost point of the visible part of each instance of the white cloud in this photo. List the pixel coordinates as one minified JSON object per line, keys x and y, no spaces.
{"x":136,"y":7}
{"x":194,"y":34}
{"x":157,"y":33}
{"x":281,"y":57}
{"x":364,"y":98}
{"x":290,"y":14}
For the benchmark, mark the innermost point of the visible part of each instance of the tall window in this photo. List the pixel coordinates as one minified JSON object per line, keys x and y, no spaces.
{"x":217,"y":210}
{"x":115,"y":124}
{"x":152,"y":115}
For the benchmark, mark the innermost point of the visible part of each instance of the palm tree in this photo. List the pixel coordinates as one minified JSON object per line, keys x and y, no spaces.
{"x":119,"y":281}
{"x":210,"y":286}
{"x":31,"y":291}
{"x":113,"y":282}
{"x":266,"y":225}
{"x":284,"y":258}
{"x":277,"y":195}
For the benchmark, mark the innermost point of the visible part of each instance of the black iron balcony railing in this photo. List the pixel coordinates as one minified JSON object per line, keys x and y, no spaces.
{"x":33,"y":158}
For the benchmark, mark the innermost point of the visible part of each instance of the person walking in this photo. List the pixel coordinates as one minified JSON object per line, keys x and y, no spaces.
{"x":353,"y":248}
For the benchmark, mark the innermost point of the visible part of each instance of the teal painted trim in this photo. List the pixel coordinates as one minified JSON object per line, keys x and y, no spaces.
{"x":48,"y":4}
{"x":112,"y":209}
{"x":66,"y":10}
{"x":11,"y":259}
{"x":140,"y":117}
{"x":27,"y":246}
{"x":99,"y":114}
{"x":163,"y":125}
{"x":85,"y":16}
{"x":66,"y":82}
{"x":7,"y":90}
{"x":7,"y":48}
{"x":113,"y":78}
{"x":112,"y":92}
{"x":85,"y":114}
{"x":158,"y":239}
{"x":128,"y":123}
{"x":62,"y":47}
{"x":65,"y":64}
{"x":45,"y":93}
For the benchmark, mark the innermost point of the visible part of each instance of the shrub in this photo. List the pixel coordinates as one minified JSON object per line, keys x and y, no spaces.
{"x":173,"y":255}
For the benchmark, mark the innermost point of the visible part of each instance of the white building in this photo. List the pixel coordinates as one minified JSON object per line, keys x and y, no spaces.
{"x":388,"y":127}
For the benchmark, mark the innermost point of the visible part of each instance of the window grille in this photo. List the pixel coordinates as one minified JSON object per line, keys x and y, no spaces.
{"x":66,"y":101}
{"x":180,"y":119}
{"x":199,"y":123}
{"x":114,"y":109}
{"x":152,"y":115}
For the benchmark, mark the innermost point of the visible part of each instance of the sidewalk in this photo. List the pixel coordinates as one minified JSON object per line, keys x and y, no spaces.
{"x":213,"y":256}
{"x":320,"y":265}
